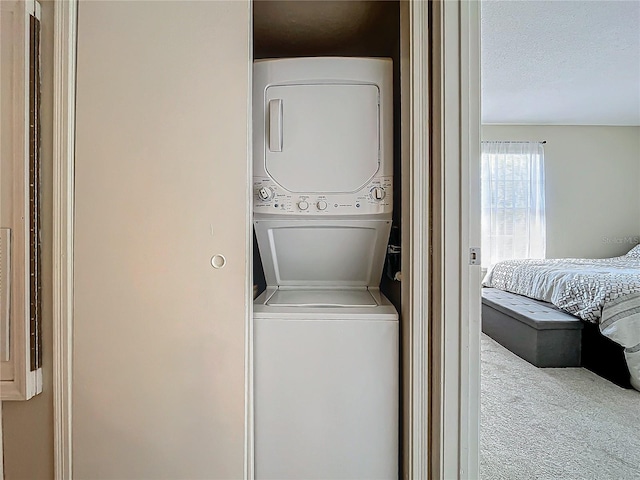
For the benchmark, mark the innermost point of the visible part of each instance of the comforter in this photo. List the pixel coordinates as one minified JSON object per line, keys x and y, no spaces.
{"x":603,"y":291}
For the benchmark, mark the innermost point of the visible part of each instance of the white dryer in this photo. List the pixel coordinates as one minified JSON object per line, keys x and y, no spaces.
{"x":326,"y":356}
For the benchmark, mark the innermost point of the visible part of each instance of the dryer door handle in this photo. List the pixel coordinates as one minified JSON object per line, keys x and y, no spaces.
{"x":275,"y":125}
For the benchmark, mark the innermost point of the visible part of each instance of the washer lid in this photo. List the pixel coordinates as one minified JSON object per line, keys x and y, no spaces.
{"x":322,"y":253}
{"x":322,"y":138}
{"x":322,"y":298}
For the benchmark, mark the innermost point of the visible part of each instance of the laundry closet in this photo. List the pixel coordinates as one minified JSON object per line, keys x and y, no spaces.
{"x":326,"y":210}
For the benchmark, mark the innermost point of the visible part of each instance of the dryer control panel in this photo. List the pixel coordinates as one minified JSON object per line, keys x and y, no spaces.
{"x":375,"y":198}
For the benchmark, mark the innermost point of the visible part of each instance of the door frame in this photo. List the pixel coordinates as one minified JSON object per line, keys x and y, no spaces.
{"x":441,"y":298}
{"x":455,"y":150}
{"x":64,"y":87}
{"x":440,"y":295}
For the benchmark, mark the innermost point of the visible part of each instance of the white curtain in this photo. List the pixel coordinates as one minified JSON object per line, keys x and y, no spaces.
{"x":513,"y":211}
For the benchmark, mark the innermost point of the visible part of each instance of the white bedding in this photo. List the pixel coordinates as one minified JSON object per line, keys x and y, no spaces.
{"x":576,"y":285}
{"x":603,"y":291}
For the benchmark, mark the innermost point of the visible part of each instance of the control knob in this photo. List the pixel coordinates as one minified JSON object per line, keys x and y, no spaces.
{"x":265,"y":193}
{"x":322,"y":205}
{"x":302,"y":205}
{"x":377,"y":193}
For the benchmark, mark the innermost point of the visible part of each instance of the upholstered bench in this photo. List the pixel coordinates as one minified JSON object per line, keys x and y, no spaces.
{"x":534,"y":330}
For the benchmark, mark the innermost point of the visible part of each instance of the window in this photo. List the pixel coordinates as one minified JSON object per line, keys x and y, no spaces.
{"x":513,"y":211}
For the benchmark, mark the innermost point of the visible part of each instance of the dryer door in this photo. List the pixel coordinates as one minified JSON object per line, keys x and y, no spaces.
{"x":322,"y":138}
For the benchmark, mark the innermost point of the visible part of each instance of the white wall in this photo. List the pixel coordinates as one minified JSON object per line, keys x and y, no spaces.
{"x":592,"y":186}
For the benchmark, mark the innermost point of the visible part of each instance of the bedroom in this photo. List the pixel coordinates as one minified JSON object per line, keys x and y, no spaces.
{"x":564,"y":77}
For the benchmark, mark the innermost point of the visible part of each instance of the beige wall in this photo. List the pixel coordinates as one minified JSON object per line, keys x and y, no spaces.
{"x":28,"y":426}
{"x":592,"y":186}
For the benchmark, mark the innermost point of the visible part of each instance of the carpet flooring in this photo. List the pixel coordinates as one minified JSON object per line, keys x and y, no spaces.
{"x":554,"y":423}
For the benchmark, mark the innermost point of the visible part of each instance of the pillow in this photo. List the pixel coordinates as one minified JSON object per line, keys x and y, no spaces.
{"x":634,"y":252}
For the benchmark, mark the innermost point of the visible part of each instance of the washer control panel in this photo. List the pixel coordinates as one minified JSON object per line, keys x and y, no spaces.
{"x":375,"y":197}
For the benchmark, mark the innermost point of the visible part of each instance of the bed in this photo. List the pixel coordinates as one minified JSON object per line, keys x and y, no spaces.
{"x":604,"y":292}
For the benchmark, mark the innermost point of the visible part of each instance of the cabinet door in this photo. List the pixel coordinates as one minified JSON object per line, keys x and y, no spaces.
{"x":161,"y":187}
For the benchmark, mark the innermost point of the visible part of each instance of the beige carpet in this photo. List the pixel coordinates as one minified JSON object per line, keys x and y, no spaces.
{"x":554,"y":423}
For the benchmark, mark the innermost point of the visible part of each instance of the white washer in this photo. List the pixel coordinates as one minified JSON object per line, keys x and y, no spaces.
{"x":326,"y":355}
{"x":325,"y":388}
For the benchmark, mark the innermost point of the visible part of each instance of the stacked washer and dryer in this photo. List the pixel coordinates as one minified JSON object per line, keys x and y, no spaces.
{"x":326,"y":375}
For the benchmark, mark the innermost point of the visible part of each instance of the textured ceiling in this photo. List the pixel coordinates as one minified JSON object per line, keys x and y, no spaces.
{"x":561,"y":62}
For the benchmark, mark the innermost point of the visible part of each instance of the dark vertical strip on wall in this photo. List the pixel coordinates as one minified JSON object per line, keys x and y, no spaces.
{"x":35,"y":276}
{"x":39,"y":196}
